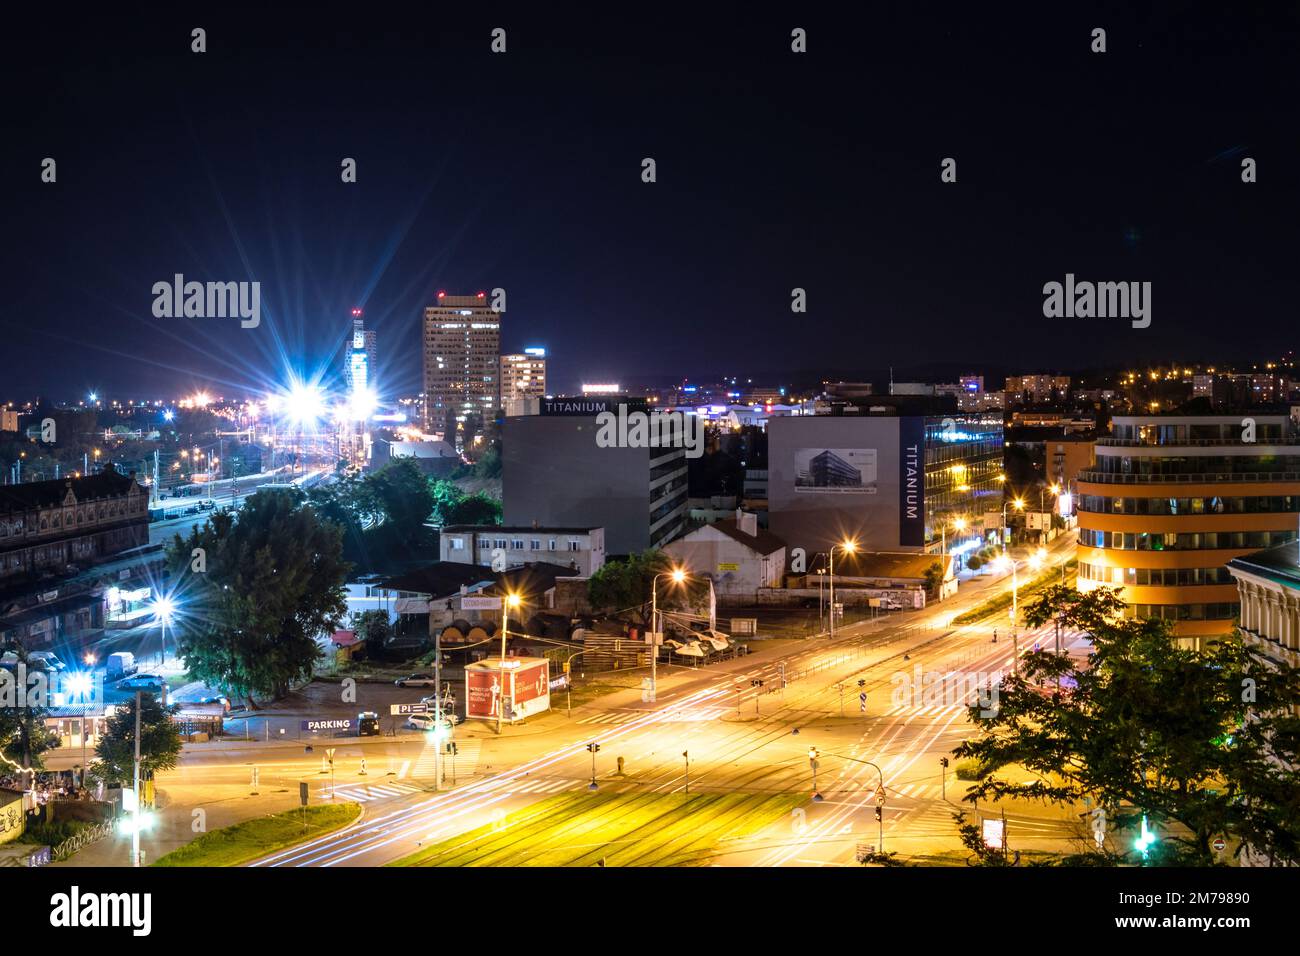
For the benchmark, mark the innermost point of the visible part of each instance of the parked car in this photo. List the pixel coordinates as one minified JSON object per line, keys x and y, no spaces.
{"x":141,"y":682}
{"x":368,"y":724}
{"x":9,"y":660}
{"x":221,"y":699}
{"x":428,"y":721}
{"x":416,"y":680}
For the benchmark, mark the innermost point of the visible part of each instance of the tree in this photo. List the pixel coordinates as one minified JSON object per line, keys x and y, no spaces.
{"x":403,"y":496}
{"x":624,"y":586}
{"x":1197,"y":742}
{"x":374,"y":628}
{"x":933,"y":577}
{"x":273,"y":584}
{"x":23,"y":734}
{"x":477,"y":508}
{"x":160,"y":742}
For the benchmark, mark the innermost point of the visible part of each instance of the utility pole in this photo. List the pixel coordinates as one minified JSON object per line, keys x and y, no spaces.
{"x":135,"y":823}
{"x":687,"y":755}
{"x":437,"y":711}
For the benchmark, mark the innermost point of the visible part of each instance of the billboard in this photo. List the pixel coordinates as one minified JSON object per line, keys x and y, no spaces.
{"x":482,"y":693}
{"x":835,"y":471}
{"x":911,"y":481}
{"x":526,"y":683}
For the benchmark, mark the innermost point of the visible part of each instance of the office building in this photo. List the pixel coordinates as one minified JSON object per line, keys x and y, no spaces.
{"x":556,"y":474}
{"x":523,"y":377}
{"x":462,"y":363}
{"x":1173,"y":499}
{"x":890,"y":476}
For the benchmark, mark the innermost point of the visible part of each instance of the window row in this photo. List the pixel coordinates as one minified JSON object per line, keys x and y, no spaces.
{"x":1154,"y":577}
{"x":1182,"y":541}
{"x":1255,"y":504}
{"x":1184,"y":612}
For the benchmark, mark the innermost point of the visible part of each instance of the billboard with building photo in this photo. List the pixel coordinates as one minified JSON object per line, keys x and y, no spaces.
{"x":835,"y":471}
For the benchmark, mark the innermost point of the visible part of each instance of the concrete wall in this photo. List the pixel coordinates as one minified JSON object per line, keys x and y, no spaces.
{"x":553,"y":473}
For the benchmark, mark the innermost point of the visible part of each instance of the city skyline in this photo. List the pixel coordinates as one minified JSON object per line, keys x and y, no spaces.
{"x":1124,"y":188}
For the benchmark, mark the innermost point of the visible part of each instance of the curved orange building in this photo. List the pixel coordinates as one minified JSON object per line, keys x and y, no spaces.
{"x":1172,"y":499}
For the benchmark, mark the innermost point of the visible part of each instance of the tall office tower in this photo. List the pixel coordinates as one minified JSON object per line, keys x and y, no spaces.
{"x":1173,"y":499}
{"x":462,"y":362}
{"x":523,"y":377}
{"x":359,"y":351}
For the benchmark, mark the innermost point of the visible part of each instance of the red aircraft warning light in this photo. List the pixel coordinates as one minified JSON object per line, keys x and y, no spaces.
{"x":482,"y":295}
{"x":441,"y":293}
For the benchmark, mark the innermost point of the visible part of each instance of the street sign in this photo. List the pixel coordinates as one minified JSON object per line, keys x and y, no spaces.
{"x":401,"y":710}
{"x":995,"y":836}
{"x":346,"y":723}
{"x":880,"y":796}
{"x":1219,"y":844}
{"x":863,"y":697}
{"x":480,"y":604}
{"x":302,"y":793}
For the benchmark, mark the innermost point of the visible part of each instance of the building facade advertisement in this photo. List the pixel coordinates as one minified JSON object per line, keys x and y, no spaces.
{"x":911,"y":481}
{"x":835,"y":471}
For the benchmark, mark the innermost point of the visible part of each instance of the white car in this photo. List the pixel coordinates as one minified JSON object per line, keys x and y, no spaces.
{"x":428,"y":722}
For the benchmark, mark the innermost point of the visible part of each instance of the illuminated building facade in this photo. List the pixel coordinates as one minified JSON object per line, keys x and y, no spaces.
{"x":1173,"y":499}
{"x":462,"y":362}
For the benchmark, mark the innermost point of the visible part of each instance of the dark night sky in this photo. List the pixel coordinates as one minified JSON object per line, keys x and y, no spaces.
{"x":523,"y":171}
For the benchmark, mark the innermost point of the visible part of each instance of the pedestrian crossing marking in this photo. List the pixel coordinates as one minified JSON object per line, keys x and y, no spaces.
{"x":364,"y":794}
{"x":684,"y":716}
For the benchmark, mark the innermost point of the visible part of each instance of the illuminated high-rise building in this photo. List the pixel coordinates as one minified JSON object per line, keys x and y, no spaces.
{"x":462,"y":362}
{"x":523,"y":377}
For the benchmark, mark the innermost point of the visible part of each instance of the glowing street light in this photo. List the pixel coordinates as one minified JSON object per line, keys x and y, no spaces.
{"x":677,"y":576}
{"x":512,"y":600}
{"x":848,"y":546}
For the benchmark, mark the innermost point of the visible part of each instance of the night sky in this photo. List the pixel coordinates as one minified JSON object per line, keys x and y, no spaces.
{"x":523,"y":171}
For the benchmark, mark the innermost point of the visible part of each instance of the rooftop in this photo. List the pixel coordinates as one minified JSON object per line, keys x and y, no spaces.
{"x":47,"y":494}
{"x":1280,"y":563}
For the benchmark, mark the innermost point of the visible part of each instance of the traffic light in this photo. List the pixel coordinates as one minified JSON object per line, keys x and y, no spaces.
{"x":1144,"y":840}
{"x":878,"y":813}
{"x":943,"y":762}
{"x":593,"y":747}
{"x":862,"y":682}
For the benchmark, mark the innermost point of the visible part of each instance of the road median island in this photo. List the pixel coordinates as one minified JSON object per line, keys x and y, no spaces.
{"x":244,"y":842}
{"x":613,"y":829}
{"x":1002,"y":602}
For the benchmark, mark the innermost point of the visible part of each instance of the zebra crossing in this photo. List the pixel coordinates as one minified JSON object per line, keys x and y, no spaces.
{"x":688,"y":715}
{"x":544,"y":786}
{"x":365,"y":793}
{"x":937,"y":710}
{"x":467,"y":755}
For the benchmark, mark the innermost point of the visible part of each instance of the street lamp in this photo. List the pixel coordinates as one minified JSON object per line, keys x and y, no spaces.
{"x":880,"y":797}
{"x":812,"y":762}
{"x":1019,"y":505}
{"x":1003,"y":563}
{"x":163,"y":608}
{"x":510,"y":601}
{"x":678,"y":575}
{"x":848,"y":546}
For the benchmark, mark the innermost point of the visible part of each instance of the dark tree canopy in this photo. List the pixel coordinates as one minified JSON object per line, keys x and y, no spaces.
{"x":273,"y":583}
